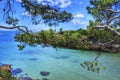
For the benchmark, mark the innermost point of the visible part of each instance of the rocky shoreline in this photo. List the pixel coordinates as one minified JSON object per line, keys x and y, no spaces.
{"x":106,"y":48}
{"x":96,"y":47}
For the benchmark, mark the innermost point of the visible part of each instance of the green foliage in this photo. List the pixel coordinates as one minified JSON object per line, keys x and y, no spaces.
{"x":21,"y":47}
{"x":68,"y":38}
{"x":92,"y":24}
{"x":49,"y":15}
{"x":61,"y":31}
{"x":103,"y":36}
{"x":6,"y":75}
{"x":92,"y":66}
{"x":105,"y":11}
{"x":11,"y":21}
{"x":40,"y":13}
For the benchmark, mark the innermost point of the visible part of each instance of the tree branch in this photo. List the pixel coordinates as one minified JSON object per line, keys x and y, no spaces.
{"x":111,"y":19}
{"x":106,"y":43}
{"x":113,"y":11}
{"x":106,"y":27}
{"x":8,"y":9}
{"x":17,"y":27}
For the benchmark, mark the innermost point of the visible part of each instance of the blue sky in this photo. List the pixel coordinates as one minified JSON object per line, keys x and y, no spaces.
{"x":76,"y":7}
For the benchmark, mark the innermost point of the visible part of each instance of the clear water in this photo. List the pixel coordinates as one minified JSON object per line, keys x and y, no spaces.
{"x":63,"y":64}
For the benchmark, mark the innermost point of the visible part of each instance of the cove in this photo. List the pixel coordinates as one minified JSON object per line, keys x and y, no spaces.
{"x":50,"y":64}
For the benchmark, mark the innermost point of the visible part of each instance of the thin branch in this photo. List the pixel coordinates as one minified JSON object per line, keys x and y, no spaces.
{"x":17,"y":27}
{"x":108,"y":42}
{"x":111,"y":19}
{"x":113,"y":11}
{"x":8,"y":9}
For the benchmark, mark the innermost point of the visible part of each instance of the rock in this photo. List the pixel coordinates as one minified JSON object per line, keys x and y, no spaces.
{"x":1,"y":78}
{"x":116,"y":46}
{"x":43,"y":73}
{"x":5,"y":67}
{"x":16,"y":71}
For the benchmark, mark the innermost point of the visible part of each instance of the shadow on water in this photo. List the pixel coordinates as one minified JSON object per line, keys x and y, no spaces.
{"x":33,"y":59}
{"x":61,"y":57}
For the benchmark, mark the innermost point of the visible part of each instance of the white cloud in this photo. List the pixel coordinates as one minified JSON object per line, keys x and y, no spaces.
{"x":63,"y":3}
{"x":79,"y":15}
{"x":60,"y":3}
{"x":78,"y":21}
{"x":51,"y":1}
{"x":26,"y":13}
{"x":19,"y":0}
{"x":81,"y":2}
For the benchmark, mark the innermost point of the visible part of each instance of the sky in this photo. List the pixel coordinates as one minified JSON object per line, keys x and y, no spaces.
{"x":76,"y":7}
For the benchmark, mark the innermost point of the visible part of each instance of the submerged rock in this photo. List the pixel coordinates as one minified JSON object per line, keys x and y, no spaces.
{"x":61,"y":57}
{"x":16,"y":71}
{"x":33,"y":59}
{"x":44,"y":73}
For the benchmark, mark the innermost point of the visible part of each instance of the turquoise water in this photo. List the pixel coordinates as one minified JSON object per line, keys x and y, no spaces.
{"x":63,"y":64}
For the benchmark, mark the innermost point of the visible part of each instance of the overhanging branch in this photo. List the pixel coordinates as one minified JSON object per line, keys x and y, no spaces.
{"x":21,"y":28}
{"x":106,"y":27}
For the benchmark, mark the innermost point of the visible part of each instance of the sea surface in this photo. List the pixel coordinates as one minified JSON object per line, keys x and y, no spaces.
{"x":61,"y":64}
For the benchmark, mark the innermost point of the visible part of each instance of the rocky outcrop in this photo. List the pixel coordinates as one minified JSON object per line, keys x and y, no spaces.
{"x":6,"y":67}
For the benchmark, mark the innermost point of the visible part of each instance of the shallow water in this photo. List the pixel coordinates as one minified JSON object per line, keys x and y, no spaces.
{"x":62,"y":64}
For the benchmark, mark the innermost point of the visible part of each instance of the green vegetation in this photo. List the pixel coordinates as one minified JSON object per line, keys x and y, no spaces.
{"x":103,"y":30}
{"x":101,"y":34}
{"x":6,"y":75}
{"x":47,"y":14}
{"x":69,"y":39}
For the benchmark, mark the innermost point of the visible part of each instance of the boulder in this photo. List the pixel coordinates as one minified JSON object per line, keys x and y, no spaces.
{"x":44,"y":73}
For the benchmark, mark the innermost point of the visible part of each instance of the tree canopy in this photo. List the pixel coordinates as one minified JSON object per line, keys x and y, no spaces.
{"x":40,"y":13}
{"x":106,"y":14}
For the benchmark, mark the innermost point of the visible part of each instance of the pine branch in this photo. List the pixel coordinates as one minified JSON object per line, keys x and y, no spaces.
{"x":21,"y":28}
